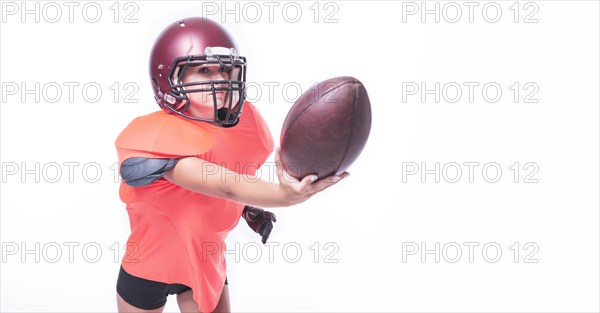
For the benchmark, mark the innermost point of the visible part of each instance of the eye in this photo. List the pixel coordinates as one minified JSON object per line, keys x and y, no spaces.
{"x":223,"y":69}
{"x":203,"y":70}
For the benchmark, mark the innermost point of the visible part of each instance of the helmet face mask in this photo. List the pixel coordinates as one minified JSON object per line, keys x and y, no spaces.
{"x":234,"y":87}
{"x":177,"y":54}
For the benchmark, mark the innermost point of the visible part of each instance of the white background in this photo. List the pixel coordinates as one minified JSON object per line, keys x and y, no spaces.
{"x":370,"y":219}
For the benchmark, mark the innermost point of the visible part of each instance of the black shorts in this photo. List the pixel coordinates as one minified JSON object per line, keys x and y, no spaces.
{"x":146,"y":294}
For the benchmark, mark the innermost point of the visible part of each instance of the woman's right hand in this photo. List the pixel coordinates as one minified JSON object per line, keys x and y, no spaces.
{"x":296,"y":191}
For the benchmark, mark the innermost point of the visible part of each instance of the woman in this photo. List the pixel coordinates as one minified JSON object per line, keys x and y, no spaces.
{"x":188,"y":173}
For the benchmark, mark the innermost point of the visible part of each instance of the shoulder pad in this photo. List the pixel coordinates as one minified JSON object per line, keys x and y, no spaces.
{"x":163,"y":135}
{"x":137,"y":172}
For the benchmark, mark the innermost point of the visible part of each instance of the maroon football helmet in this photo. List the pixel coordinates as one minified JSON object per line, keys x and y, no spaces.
{"x":189,"y":43}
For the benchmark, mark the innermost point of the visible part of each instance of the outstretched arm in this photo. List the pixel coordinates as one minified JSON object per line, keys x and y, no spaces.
{"x":211,"y":179}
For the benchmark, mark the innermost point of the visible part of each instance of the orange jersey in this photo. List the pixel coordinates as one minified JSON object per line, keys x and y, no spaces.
{"x":177,"y":235}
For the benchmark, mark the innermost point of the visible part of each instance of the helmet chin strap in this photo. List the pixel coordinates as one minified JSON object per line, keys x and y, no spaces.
{"x":222,"y":115}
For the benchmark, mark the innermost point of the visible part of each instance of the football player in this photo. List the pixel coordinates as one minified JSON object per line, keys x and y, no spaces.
{"x":188,"y":173}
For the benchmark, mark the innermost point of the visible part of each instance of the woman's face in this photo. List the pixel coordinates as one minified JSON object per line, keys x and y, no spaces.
{"x":202,"y":103}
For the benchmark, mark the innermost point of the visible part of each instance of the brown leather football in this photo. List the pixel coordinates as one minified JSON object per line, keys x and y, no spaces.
{"x":326,"y":129}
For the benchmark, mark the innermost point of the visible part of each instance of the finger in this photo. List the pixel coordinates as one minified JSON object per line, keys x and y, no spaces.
{"x":337,"y":178}
{"x":306,"y":182}
{"x":344,"y":175}
{"x":270,"y":216}
{"x":262,"y":226}
{"x":277,"y":150}
{"x":328,"y":182}
{"x":252,"y":213}
{"x":267,"y":232}
{"x":278,"y":166}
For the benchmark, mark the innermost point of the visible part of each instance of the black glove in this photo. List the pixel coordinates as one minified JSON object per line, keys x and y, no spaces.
{"x":259,"y":220}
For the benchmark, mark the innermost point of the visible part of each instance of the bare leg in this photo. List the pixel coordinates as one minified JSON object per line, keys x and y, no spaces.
{"x":125,"y":307}
{"x":187,"y":304}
